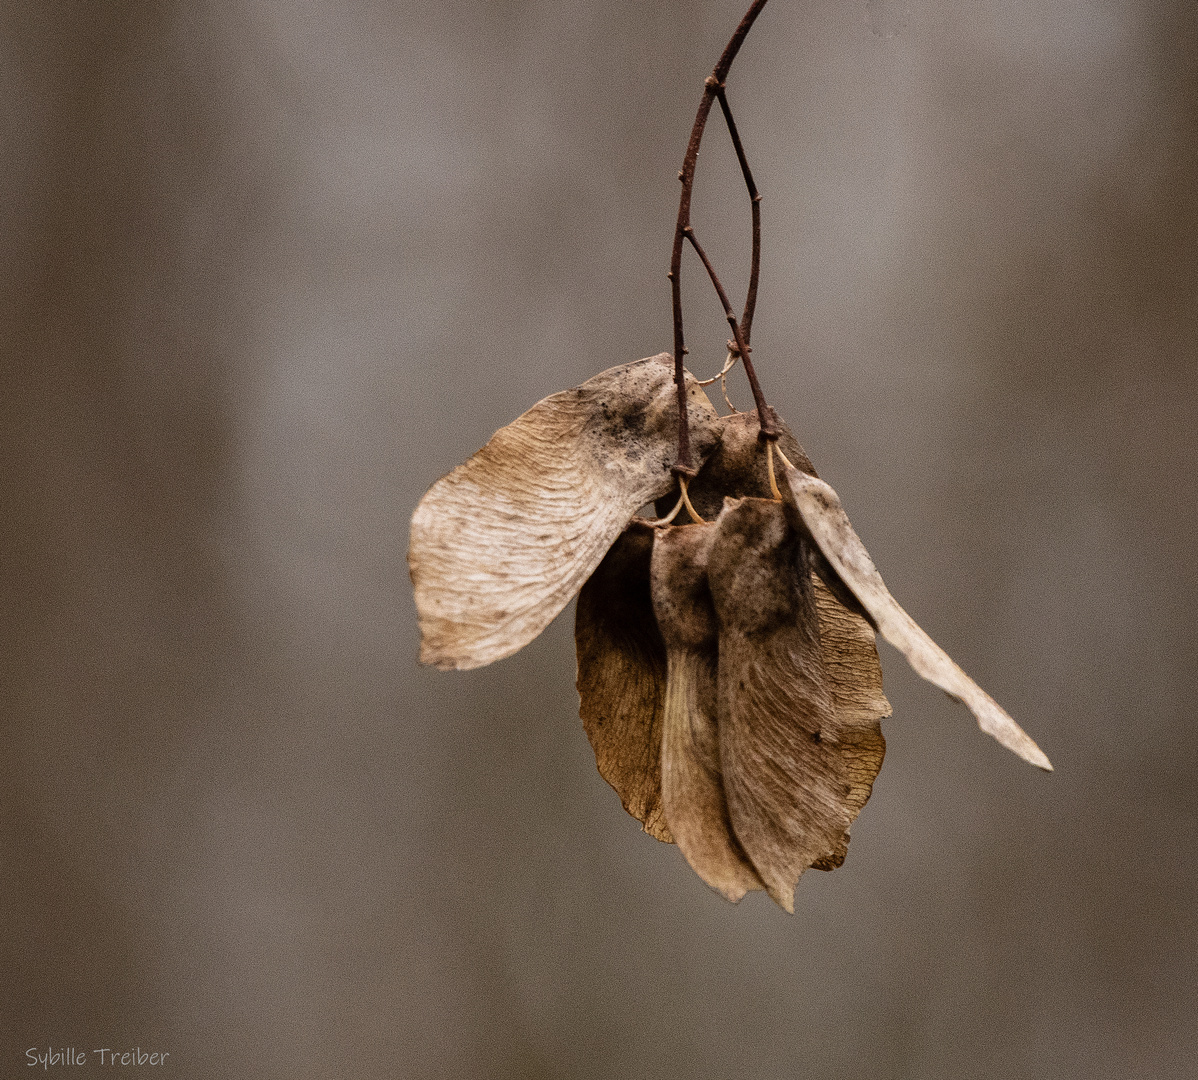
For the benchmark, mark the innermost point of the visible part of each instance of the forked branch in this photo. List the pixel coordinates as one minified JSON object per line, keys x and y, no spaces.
{"x":713,"y":89}
{"x":765,"y":414}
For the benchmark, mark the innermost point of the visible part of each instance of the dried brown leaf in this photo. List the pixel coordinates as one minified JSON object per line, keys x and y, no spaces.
{"x":500,"y":545}
{"x":622,"y":676}
{"x":691,"y":776}
{"x":816,"y":508}
{"x":795,"y":773}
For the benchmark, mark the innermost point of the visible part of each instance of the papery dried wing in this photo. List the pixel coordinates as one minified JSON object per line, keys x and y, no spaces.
{"x":500,"y":545}
{"x":819,"y":512}
{"x":835,"y":859}
{"x":691,"y":777}
{"x":622,"y":676}
{"x":850,"y":655}
{"x":795,"y":774}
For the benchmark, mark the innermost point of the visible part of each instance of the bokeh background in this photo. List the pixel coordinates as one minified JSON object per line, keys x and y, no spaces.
{"x":271,"y":267}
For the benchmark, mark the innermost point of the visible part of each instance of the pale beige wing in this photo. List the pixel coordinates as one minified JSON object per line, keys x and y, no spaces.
{"x":622,"y":676}
{"x":819,"y":512}
{"x":500,"y":545}
{"x":691,"y":777}
{"x":795,"y":775}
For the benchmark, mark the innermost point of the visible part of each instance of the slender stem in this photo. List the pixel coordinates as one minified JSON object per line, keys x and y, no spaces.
{"x":746,"y":319}
{"x":765,"y":415}
{"x":683,"y":466}
{"x":711,"y":87}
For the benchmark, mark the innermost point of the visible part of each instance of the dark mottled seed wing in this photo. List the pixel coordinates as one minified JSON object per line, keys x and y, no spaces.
{"x":737,"y":468}
{"x":855,"y":679}
{"x":622,"y":676}
{"x":850,"y":659}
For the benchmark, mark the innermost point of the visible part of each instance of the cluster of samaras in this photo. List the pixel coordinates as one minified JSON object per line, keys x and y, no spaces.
{"x":728,"y":676}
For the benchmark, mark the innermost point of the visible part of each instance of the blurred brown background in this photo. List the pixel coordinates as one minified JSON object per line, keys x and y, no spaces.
{"x":270,"y":268}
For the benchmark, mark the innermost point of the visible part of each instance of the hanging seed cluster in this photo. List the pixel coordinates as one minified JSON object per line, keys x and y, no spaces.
{"x":727,"y":673}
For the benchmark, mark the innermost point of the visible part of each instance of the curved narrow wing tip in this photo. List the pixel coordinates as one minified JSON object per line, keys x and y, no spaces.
{"x":1008,"y":734}
{"x":1021,"y":744}
{"x":1040,"y":760}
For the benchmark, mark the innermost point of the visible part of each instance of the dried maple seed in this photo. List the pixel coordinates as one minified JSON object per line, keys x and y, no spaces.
{"x":691,"y":776}
{"x":727,"y":670}
{"x":736,"y":468}
{"x":814,"y":508}
{"x":795,"y":773}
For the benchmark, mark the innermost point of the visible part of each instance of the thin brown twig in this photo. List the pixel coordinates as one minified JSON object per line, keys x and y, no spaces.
{"x":765,"y":414}
{"x":746,"y":319}
{"x":711,"y":87}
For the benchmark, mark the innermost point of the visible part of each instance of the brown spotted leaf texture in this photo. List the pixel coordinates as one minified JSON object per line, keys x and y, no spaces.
{"x":500,"y":545}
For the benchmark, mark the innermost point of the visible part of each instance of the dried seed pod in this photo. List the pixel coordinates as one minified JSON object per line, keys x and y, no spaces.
{"x":815,"y":508}
{"x":500,"y":545}
{"x":736,"y":466}
{"x":691,"y":777}
{"x":795,"y":773}
{"x":622,"y":676}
